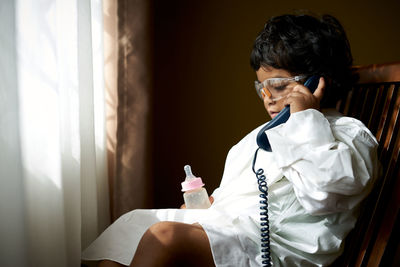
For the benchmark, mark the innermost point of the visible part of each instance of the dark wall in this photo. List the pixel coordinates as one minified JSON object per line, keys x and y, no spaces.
{"x":204,"y":100}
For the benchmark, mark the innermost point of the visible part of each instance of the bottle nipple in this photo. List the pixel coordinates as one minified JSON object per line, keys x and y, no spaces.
{"x":191,"y":182}
{"x":188,"y":172}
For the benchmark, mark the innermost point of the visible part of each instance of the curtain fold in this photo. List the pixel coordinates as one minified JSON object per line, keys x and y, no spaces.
{"x":132,"y":179}
{"x":13,"y":249}
{"x":111,"y":94}
{"x":54,"y":195}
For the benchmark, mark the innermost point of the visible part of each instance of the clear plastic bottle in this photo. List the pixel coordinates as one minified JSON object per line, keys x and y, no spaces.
{"x":195,"y":195}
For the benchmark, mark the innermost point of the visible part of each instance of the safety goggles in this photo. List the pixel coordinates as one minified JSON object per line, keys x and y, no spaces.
{"x":276,"y":88}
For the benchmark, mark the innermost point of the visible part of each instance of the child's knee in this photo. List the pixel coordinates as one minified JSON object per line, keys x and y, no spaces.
{"x":177,"y":244}
{"x":162,"y":232}
{"x":172,"y":235}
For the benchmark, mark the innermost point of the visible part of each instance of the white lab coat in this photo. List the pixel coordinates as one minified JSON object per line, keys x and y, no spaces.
{"x":321,"y":167}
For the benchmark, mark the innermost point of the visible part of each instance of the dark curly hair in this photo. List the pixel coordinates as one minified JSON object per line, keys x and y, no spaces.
{"x":304,"y":44}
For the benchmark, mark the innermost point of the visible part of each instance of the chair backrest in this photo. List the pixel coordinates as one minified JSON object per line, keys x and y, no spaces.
{"x":375,"y":100}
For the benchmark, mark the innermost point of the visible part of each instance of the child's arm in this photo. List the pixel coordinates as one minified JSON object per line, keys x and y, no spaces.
{"x":331,"y":165}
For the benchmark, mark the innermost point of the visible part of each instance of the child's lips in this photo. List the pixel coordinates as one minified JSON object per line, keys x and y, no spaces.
{"x":273,"y":114}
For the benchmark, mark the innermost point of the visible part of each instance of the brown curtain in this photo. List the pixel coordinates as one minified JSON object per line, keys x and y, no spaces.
{"x":129,"y":109}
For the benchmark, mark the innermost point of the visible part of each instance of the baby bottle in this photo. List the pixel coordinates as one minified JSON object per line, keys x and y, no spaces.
{"x":195,"y":195}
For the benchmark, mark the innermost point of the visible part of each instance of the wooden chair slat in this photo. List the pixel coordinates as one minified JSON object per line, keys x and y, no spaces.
{"x":376,"y":102}
{"x":373,"y":123}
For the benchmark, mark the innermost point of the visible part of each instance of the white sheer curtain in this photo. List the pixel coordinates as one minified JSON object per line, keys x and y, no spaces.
{"x":53,"y":184}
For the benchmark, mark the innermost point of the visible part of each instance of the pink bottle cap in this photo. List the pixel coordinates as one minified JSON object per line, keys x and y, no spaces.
{"x":192,"y":184}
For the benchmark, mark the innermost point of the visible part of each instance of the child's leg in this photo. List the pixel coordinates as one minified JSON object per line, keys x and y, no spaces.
{"x":107,"y":263}
{"x":173,"y":244}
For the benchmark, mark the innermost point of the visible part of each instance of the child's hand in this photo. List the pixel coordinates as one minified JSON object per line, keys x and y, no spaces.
{"x":183,"y":206}
{"x":301,"y":98}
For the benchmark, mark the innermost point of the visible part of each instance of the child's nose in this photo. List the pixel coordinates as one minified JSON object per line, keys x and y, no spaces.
{"x":269,"y":101}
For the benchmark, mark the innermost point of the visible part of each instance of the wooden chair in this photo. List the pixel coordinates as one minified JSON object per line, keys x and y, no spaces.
{"x":375,"y":100}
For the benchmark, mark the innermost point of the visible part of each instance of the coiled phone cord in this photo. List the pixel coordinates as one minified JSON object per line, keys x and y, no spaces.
{"x":263,"y":187}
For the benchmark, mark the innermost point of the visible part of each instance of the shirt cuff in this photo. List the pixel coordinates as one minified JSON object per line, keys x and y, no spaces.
{"x":304,"y":131}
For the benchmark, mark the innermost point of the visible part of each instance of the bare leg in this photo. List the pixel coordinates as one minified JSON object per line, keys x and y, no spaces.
{"x":173,"y":244}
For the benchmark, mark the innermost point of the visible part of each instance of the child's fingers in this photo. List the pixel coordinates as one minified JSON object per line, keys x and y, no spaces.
{"x":301,"y":97}
{"x":319,"y":92}
{"x":294,"y":97}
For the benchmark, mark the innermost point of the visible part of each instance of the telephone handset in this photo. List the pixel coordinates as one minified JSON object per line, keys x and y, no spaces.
{"x":283,"y":116}
{"x":263,"y":143}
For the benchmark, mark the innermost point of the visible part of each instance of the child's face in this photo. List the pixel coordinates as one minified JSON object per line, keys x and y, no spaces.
{"x":273,"y":107}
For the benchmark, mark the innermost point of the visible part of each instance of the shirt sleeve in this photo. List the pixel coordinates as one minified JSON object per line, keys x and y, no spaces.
{"x":331,"y":164}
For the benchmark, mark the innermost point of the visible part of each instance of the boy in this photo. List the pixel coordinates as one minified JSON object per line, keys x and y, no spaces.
{"x":321,"y":166}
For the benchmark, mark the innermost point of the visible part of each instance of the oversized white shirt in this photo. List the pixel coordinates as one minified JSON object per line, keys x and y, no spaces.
{"x":320,"y":168}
